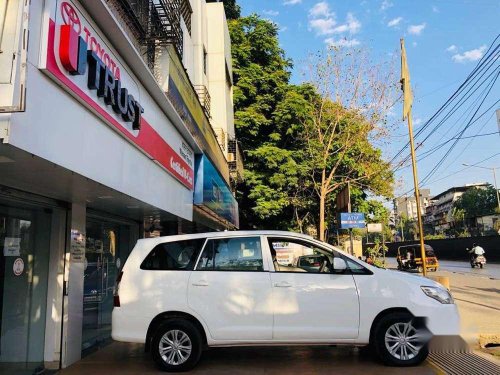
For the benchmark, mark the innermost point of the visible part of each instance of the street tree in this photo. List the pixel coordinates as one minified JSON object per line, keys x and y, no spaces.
{"x":268,"y":118}
{"x":476,"y":202}
{"x":349,"y":113}
{"x":231,"y":9}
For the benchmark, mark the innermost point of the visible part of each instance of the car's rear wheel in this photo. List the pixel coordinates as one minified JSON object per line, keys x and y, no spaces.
{"x":398,"y":341}
{"x":176,"y":346}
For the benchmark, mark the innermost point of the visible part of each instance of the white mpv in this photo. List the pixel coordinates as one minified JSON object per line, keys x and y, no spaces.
{"x":181,"y":294}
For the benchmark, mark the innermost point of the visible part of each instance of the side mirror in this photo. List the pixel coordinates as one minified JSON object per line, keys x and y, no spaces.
{"x":339,"y":265}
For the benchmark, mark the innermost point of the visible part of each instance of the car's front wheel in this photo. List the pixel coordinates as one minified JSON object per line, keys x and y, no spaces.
{"x":176,"y":346}
{"x":398,"y":341}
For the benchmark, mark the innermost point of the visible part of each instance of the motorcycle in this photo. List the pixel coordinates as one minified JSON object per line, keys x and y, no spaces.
{"x":477,"y":260}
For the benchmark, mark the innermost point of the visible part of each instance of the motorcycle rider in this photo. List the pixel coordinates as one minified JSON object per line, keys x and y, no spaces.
{"x":476,"y":251}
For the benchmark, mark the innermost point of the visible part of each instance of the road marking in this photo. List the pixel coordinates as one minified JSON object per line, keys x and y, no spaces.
{"x":475,"y":303}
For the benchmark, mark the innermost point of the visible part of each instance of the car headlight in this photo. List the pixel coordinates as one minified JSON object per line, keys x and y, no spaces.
{"x":439,"y":294}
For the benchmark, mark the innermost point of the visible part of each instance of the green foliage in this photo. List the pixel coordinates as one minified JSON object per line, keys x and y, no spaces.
{"x":434,"y":237}
{"x":477,"y":202}
{"x":232,"y":10}
{"x":273,"y":121}
{"x":377,"y":253}
{"x":268,"y":113}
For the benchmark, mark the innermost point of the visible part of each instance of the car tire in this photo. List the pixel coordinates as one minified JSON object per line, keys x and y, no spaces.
{"x":420,"y":269}
{"x":383,"y":341}
{"x":186,"y":345}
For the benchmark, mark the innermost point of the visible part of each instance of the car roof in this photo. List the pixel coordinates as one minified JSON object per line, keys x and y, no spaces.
{"x":225,"y":234}
{"x":427,"y":247}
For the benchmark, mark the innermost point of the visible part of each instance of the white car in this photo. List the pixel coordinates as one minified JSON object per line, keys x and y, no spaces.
{"x":181,"y":294}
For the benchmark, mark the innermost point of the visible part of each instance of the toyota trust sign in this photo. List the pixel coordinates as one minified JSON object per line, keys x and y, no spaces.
{"x":103,"y":75}
{"x":83,"y":62}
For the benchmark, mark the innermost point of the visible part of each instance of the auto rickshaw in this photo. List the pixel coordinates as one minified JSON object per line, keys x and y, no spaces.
{"x":409,"y":258}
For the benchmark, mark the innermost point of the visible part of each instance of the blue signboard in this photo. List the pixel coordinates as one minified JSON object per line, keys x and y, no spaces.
{"x":212,"y":191}
{"x":352,"y":220}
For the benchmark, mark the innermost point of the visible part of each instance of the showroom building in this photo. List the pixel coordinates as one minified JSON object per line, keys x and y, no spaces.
{"x":116,"y":123}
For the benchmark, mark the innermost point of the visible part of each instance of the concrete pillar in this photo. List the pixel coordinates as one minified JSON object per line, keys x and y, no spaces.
{"x":73,"y":300}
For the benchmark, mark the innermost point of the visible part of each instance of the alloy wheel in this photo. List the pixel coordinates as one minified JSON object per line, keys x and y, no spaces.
{"x":402,"y":341}
{"x":175,"y":347}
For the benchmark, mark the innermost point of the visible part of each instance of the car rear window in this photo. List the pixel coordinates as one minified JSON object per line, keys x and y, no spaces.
{"x":173,"y":256}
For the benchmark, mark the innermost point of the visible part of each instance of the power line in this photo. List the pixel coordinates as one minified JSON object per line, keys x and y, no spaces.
{"x":438,"y":165}
{"x":483,"y":62}
{"x":451,"y":174}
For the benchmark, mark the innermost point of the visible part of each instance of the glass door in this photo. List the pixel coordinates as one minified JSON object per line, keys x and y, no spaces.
{"x":24,"y":262}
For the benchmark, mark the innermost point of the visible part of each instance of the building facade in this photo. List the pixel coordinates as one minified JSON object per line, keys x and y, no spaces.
{"x":407,"y":206}
{"x":116,"y":123}
{"x":439,"y":214}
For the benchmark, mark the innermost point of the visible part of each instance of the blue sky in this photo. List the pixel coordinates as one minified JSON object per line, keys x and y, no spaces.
{"x":444,"y":41}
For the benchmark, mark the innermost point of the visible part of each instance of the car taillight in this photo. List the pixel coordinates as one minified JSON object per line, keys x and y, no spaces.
{"x":116,"y":296}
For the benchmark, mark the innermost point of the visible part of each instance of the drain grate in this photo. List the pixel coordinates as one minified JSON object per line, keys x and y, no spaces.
{"x":463,"y":364}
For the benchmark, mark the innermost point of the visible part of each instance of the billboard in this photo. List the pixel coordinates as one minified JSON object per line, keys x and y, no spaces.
{"x":212,"y":191}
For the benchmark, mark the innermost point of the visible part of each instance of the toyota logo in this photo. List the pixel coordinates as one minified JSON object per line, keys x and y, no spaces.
{"x":70,"y":17}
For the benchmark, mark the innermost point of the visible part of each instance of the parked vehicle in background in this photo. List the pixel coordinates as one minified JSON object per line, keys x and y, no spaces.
{"x":181,"y":294}
{"x":409,"y":258}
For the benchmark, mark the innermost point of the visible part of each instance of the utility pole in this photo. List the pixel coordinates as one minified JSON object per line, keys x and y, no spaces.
{"x":407,"y":106}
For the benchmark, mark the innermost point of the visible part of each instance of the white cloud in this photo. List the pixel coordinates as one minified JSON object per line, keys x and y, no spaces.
{"x":270,"y":12}
{"x":414,"y":44}
{"x":320,"y":10}
{"x":416,"y":29}
{"x":322,"y":21}
{"x":385,"y":5}
{"x":342,"y":42}
{"x":322,"y":26}
{"x":291,"y":2}
{"x":471,"y":55}
{"x":352,"y":25}
{"x":394,"y":22}
{"x":418,"y":121}
{"x":451,"y":48}
{"x":435,"y":9}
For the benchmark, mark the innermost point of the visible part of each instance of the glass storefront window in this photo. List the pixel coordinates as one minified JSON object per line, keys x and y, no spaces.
{"x":107,"y":247}
{"x":24,"y":262}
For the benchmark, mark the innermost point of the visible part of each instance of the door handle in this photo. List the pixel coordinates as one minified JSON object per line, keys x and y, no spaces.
{"x":200,"y":283}
{"x":283,"y":284}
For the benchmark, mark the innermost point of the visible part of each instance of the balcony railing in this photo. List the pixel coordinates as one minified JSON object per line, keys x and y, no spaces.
{"x":157,"y":22}
{"x":204,"y":97}
{"x":235,"y":160}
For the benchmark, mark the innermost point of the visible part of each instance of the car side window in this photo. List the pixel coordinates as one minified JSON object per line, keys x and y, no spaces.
{"x":231,"y":254}
{"x":291,"y":255}
{"x":356,"y":268}
{"x":173,"y":256}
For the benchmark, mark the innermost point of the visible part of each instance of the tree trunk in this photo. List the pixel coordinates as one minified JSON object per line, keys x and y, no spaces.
{"x":322,"y":215}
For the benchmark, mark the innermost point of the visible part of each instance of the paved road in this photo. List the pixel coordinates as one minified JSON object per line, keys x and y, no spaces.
{"x":490,"y":270}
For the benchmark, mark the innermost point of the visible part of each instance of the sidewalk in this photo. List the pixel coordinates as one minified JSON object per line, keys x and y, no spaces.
{"x":122,"y":358}
{"x":478,"y":301}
